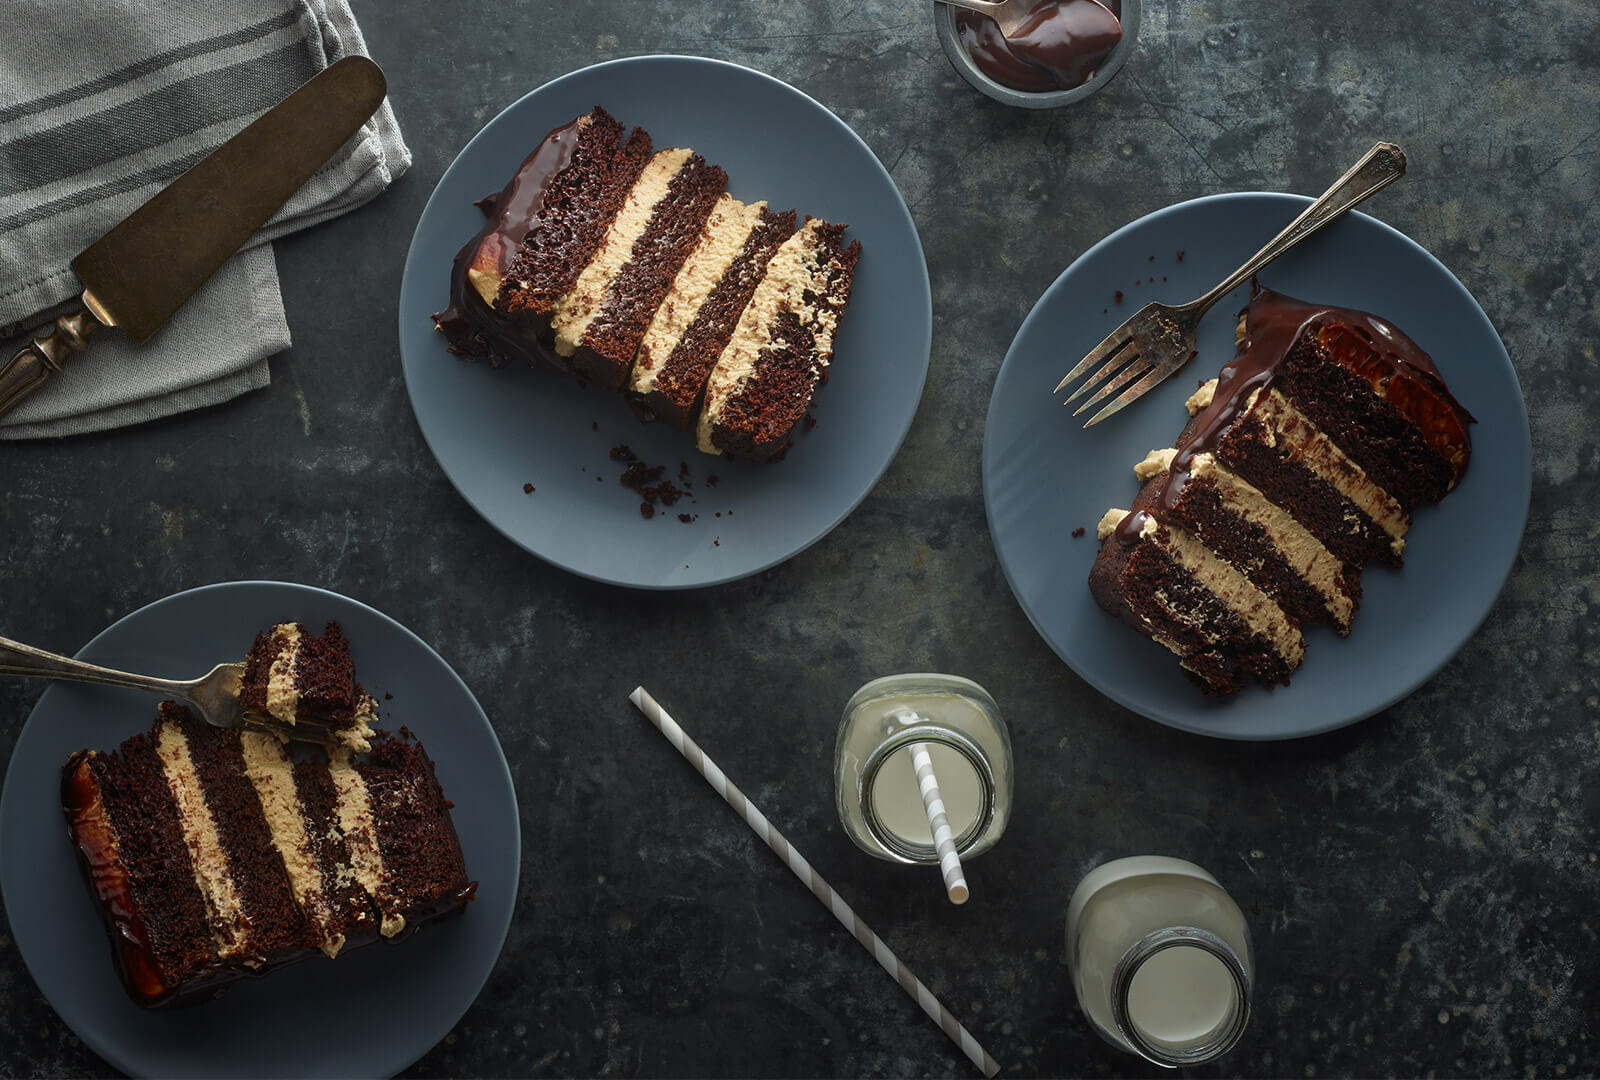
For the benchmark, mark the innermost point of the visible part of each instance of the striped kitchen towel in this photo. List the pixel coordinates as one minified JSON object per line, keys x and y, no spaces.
{"x":102,"y":104}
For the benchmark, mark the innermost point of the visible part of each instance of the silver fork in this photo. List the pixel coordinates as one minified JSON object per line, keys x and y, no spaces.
{"x":1158,"y":339}
{"x":1008,"y":14}
{"x":215,"y":695}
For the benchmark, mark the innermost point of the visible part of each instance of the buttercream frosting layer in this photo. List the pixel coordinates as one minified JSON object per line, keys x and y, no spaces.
{"x":282,"y":696}
{"x":204,"y":840}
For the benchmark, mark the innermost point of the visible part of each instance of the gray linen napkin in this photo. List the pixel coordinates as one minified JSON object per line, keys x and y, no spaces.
{"x":101,"y":104}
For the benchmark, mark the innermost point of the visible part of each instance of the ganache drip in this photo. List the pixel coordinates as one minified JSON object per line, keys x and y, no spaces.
{"x":109,"y":879}
{"x":1274,"y":324}
{"x":473,"y":327}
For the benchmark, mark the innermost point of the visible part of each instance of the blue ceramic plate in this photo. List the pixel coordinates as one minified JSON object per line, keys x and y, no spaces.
{"x":494,"y":431}
{"x":371,"y":1012}
{"x":1044,"y":475}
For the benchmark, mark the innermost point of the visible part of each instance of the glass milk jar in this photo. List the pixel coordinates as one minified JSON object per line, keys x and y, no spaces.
{"x":875,"y":781}
{"x":1161,"y":959}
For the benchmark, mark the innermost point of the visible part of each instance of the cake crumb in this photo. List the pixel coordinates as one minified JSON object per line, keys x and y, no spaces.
{"x":683,"y":470}
{"x":646,"y":511}
{"x":713,"y":479}
{"x":527,"y":489}
{"x":388,"y":696}
{"x":717,"y":542}
{"x":1119,"y":296}
{"x":595,"y":426}
{"x":1152,"y":258}
{"x":1077,"y":532}
{"x":811,"y":422}
{"x":686,"y":518}
{"x":1180,"y":256}
{"x":623,"y":453}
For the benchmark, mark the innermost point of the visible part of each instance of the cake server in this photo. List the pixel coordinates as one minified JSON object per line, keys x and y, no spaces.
{"x":139,"y":273}
{"x":1158,"y":339}
{"x":214,"y":695}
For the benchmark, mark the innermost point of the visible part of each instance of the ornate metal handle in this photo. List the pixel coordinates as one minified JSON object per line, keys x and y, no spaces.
{"x":1379,"y":167}
{"x":19,"y":659}
{"x":42,"y":357}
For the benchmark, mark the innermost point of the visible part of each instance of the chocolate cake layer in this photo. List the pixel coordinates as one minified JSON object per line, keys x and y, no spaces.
{"x":580,"y":204}
{"x":781,"y":348}
{"x":602,"y":321}
{"x":693,"y":325}
{"x":417,"y":841}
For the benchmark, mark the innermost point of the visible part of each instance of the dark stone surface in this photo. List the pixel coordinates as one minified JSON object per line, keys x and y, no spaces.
{"x":1421,"y":887}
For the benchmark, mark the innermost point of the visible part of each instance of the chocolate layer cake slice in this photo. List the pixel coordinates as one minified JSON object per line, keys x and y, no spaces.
{"x":213,"y":856}
{"x":780,"y":349}
{"x":693,"y":324}
{"x":1302,"y":462}
{"x":297,"y":678}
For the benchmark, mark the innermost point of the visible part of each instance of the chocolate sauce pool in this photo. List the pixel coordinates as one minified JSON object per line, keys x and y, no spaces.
{"x":472,"y":325}
{"x":1062,"y":44}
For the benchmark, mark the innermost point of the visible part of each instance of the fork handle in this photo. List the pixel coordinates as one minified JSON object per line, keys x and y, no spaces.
{"x":19,"y":659}
{"x":1382,"y":165}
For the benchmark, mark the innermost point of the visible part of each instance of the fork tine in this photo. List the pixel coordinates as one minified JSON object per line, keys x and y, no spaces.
{"x":1140,"y":366}
{"x":1137,"y":390}
{"x":292,"y":733}
{"x":1113,"y":341}
{"x":1121,"y":360}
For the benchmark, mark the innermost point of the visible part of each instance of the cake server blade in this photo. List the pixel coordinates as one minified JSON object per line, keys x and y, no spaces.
{"x":139,"y":273}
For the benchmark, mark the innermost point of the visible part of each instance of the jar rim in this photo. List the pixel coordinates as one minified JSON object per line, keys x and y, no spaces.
{"x":930,"y":732}
{"x":1218,"y":1042}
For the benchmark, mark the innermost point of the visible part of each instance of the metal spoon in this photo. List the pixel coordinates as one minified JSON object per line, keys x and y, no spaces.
{"x":1009,"y":14}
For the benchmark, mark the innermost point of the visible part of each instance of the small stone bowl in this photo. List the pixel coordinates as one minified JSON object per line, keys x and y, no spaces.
{"x":944,"y":18}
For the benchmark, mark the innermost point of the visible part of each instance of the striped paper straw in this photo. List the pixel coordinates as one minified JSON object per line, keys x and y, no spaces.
{"x":944,"y":841}
{"x":813,"y":881}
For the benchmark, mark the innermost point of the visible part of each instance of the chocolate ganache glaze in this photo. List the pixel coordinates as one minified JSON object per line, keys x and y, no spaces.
{"x":98,"y":857}
{"x":473,"y":327}
{"x":1061,"y":45}
{"x":1365,"y":345}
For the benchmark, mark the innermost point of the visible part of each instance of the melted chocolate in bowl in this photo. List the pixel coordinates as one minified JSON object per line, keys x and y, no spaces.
{"x":1061,"y":45}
